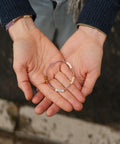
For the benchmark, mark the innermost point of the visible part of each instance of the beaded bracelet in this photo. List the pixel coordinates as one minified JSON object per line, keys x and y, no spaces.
{"x":71,"y":82}
{"x":15,"y":20}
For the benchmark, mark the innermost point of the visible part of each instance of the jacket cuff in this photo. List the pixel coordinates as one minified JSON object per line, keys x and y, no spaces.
{"x":99,"y":14}
{"x":11,"y":9}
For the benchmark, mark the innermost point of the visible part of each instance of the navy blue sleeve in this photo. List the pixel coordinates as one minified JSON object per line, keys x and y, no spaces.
{"x":99,"y":13}
{"x":10,"y":9}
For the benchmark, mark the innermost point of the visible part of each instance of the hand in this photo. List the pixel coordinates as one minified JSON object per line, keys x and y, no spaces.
{"x":33,"y":52}
{"x":84,"y":50}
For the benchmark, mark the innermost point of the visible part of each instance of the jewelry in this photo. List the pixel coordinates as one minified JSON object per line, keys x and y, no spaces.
{"x":71,"y":82}
{"x":15,"y":20}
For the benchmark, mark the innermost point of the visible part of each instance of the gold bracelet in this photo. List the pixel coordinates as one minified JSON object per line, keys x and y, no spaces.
{"x":15,"y":20}
{"x":82,"y":24}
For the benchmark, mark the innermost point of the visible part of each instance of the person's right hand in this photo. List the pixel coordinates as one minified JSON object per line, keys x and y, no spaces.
{"x":84,"y":50}
{"x":33,"y":52}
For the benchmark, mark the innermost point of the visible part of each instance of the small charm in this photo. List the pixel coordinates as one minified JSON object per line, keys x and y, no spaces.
{"x":73,"y":78}
{"x":58,"y":90}
{"x":69,"y":65}
{"x":46,"y":80}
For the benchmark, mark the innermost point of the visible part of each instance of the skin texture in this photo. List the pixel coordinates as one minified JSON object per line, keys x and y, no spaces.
{"x":84,"y":50}
{"x":33,"y":52}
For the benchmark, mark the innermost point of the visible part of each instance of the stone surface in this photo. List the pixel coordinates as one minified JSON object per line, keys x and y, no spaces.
{"x":27,"y":142}
{"x":6,"y":141}
{"x":62,"y":129}
{"x":8,"y":115}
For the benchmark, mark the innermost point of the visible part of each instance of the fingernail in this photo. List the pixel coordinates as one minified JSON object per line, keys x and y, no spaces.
{"x":49,"y":113}
{"x":38,"y":110}
{"x":35,"y":100}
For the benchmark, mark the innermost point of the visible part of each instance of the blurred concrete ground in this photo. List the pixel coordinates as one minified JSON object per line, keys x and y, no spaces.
{"x":102,"y":106}
{"x":20,"y":125}
{"x":7,"y":138}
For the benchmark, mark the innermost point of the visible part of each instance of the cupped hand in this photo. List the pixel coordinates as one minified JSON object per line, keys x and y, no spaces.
{"x":84,"y":50}
{"x":33,"y":52}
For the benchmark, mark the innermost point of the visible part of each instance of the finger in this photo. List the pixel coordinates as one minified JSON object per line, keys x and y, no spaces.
{"x":66,"y":95}
{"x":46,"y":104}
{"x":68,"y":73}
{"x":72,"y":89}
{"x":37,"y":97}
{"x":42,"y":106}
{"x":53,"y":70}
{"x":55,"y":97}
{"x":89,"y":83}
{"x":23,"y":82}
{"x":52,"y":110}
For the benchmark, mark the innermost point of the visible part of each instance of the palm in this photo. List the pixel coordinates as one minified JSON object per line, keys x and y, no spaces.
{"x":35,"y":54}
{"x":85,"y":54}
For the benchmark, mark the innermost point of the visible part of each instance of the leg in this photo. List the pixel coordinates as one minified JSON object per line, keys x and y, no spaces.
{"x":63,"y":22}
{"x":44,"y":20}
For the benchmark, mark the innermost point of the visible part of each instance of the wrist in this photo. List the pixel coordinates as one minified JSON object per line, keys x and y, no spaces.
{"x":94,"y":33}
{"x":21,"y":28}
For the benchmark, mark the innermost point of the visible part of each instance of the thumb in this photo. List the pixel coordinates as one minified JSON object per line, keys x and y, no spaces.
{"x":23,"y":81}
{"x":89,"y":83}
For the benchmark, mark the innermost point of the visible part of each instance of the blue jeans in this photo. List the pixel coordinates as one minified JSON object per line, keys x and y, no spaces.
{"x":54,"y":22}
